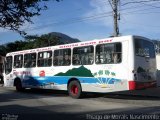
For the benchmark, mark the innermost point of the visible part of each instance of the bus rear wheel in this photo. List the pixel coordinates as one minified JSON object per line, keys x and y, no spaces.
{"x":74,"y":89}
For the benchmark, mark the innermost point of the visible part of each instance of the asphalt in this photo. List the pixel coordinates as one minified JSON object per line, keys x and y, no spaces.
{"x":148,"y":92}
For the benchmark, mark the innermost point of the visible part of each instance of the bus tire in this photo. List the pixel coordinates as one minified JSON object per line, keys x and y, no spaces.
{"x":18,"y":85}
{"x":74,"y":89}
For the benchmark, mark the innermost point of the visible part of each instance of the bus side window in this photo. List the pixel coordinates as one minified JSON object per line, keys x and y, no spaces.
{"x":30,"y":60}
{"x":108,"y":53}
{"x":62,"y":57}
{"x":76,"y":60}
{"x":83,"y":55}
{"x":116,"y":57}
{"x":44,"y":59}
{"x":18,"y":61}
{"x":117,"y":53}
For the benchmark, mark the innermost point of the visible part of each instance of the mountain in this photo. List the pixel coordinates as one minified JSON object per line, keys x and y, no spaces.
{"x":35,"y":41}
{"x":64,"y":39}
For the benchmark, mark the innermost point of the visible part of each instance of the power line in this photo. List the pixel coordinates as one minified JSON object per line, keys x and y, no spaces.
{"x":137,"y":6}
{"x":71,"y":21}
{"x":92,"y":17}
{"x":75,"y":20}
{"x":141,"y":24}
{"x":140,"y":10}
{"x":150,"y":5}
{"x":78,"y":9}
{"x":142,"y":1}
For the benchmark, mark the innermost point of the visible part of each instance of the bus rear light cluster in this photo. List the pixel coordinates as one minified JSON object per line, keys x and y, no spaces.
{"x":133,"y":85}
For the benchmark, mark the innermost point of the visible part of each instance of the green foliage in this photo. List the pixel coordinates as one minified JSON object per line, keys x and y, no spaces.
{"x":33,"y":41}
{"x":14,"y":13}
{"x":41,"y":41}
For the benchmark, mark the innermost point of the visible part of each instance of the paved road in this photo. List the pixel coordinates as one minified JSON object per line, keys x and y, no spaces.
{"x":56,"y":105}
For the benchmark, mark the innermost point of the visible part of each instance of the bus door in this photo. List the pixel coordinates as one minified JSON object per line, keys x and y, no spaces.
{"x":8,"y":70}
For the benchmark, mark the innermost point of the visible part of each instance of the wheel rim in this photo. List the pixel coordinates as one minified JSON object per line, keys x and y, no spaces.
{"x":74,"y":89}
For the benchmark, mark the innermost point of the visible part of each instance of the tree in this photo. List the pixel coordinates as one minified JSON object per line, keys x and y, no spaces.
{"x":14,"y":13}
{"x":35,"y":41}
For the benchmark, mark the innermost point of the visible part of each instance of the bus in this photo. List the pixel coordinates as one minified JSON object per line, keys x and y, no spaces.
{"x":105,"y":65}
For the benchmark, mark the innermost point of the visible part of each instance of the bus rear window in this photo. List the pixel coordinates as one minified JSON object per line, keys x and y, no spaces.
{"x":144,"y":48}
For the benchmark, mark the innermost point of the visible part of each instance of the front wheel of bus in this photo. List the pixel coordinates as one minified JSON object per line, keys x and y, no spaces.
{"x":18,"y":86}
{"x":74,"y":89}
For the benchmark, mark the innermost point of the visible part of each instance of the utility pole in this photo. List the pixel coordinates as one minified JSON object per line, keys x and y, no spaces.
{"x":114,"y":5}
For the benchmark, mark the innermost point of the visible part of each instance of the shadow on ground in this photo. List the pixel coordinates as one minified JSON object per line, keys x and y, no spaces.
{"x":50,"y":112}
{"x":12,"y":94}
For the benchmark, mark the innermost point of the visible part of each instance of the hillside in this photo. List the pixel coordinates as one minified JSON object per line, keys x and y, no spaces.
{"x":63,"y":38}
{"x":35,"y":41}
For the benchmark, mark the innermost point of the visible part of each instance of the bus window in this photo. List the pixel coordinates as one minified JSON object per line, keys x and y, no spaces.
{"x":108,"y":53}
{"x":45,"y":59}
{"x":144,"y":48}
{"x":30,"y":60}
{"x":8,"y":64}
{"x":62,"y":57}
{"x":83,"y":55}
{"x":18,"y":61}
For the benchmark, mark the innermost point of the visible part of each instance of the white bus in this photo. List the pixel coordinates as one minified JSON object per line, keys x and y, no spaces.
{"x":105,"y":65}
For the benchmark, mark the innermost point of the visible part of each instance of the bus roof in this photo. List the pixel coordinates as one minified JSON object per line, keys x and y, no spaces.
{"x":77,"y":44}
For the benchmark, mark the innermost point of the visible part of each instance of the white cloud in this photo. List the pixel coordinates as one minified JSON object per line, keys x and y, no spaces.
{"x":2,"y":30}
{"x":31,"y":28}
{"x":37,"y":27}
{"x":100,"y":14}
{"x":146,"y":23}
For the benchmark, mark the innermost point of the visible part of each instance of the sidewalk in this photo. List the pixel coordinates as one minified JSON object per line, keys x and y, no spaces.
{"x":149,"y":92}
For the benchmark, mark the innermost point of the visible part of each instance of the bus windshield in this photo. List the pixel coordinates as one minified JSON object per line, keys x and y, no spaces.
{"x":144,"y":48}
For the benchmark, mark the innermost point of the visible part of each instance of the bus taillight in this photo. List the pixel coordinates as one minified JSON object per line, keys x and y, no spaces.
{"x":140,"y":85}
{"x":132,"y":85}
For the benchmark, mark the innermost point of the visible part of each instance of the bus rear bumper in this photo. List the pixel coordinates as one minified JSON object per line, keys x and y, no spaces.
{"x":134,"y":85}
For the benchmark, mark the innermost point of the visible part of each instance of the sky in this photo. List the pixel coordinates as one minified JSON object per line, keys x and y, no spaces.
{"x":91,"y":19}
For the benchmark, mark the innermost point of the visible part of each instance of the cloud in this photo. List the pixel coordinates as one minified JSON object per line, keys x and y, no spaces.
{"x":100,"y":13}
{"x":144,"y":21}
{"x":2,"y":30}
{"x":37,"y":27}
{"x":141,"y":19}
